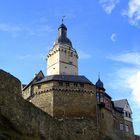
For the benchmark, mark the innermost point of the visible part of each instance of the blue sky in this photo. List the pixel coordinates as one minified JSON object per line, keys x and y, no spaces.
{"x":106,"y":34}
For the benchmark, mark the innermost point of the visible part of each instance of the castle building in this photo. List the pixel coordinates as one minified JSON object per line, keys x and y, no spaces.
{"x":65,"y":94}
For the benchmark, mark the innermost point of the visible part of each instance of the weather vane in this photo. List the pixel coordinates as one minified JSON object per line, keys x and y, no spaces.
{"x":63,"y":18}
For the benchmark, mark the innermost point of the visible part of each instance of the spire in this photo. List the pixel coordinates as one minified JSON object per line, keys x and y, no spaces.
{"x":99,"y":75}
{"x":99,"y":83}
{"x":62,"y":34}
{"x":62,"y":28}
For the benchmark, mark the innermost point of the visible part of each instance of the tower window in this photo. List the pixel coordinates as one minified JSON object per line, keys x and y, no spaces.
{"x":81,"y":85}
{"x":98,"y":97}
{"x":67,"y":84}
{"x":60,"y":83}
{"x":39,"y":86}
{"x":70,"y":62}
{"x":75,"y":84}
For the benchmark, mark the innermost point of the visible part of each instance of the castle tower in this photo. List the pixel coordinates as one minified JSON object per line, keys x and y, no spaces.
{"x":62,"y":58}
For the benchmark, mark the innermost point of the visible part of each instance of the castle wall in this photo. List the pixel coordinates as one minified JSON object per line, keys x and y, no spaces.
{"x":43,"y":97}
{"x":74,"y":104}
{"x":27,"y":93}
{"x":20,"y":119}
{"x":70,"y":100}
{"x":9,"y":83}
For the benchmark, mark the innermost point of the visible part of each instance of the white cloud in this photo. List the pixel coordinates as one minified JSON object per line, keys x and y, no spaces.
{"x":134,"y":83}
{"x":83,"y":55}
{"x":113,"y":37}
{"x":133,"y":12}
{"x":129,"y":77}
{"x":108,"y":5}
{"x":18,"y":29}
{"x":130,"y":58}
{"x":32,"y":56}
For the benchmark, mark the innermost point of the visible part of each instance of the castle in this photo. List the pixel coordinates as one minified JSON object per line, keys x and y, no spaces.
{"x":63,"y":94}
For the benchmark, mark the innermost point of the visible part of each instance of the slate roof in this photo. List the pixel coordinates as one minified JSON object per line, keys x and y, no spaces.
{"x":33,"y":80}
{"x":63,"y":39}
{"x":120,"y":103}
{"x":99,"y":84}
{"x":66,"y":78}
{"x":118,"y":109}
{"x":107,"y":95}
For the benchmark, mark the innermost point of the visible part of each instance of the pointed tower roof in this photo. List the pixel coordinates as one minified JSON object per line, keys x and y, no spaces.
{"x":62,"y":35}
{"x":99,"y":84}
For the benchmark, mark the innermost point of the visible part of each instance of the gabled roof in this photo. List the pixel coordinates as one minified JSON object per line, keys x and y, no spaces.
{"x":118,"y":109}
{"x":37,"y":77}
{"x":107,"y":95}
{"x":66,"y":78}
{"x":121,"y":104}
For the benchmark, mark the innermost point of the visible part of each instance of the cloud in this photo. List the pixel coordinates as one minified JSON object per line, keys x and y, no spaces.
{"x":83,"y":55}
{"x":113,"y":37}
{"x":18,"y":29}
{"x":133,"y":12}
{"x":129,"y":77}
{"x":134,"y":83}
{"x":108,"y":5}
{"x":130,"y":58}
{"x":9,"y":28}
{"x":32,"y":57}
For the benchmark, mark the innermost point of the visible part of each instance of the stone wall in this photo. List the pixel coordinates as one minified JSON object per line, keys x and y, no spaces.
{"x":44,"y":101}
{"x":74,"y":104}
{"x":21,"y":120}
{"x":65,"y":101}
{"x":22,"y":116}
{"x":9,"y":83}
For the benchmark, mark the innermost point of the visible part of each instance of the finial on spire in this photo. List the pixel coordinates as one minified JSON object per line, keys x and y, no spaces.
{"x":63,"y":18}
{"x":99,"y":75}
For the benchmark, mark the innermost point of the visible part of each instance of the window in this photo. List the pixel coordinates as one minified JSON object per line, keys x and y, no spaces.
{"x":71,"y":54}
{"x":75,"y":84}
{"x":60,"y":83}
{"x":98,"y":97}
{"x":126,"y":128}
{"x":81,"y":85}
{"x":101,"y":98}
{"x":102,"y":115}
{"x":129,"y":115}
{"x":126,"y":114}
{"x":121,"y":126}
{"x":115,"y":124}
{"x":67,"y":84}
{"x":70,"y":62}
{"x":39,"y":86}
